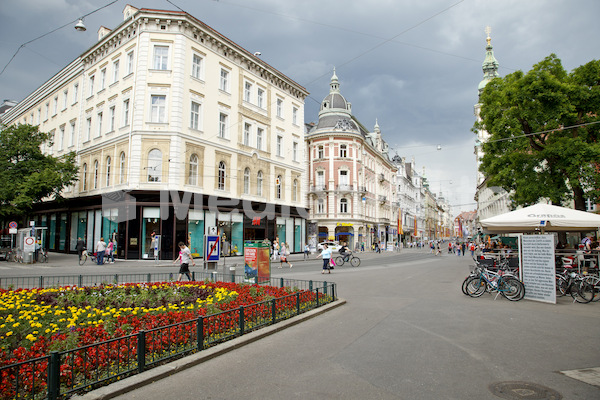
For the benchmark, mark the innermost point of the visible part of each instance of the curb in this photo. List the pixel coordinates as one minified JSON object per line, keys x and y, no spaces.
{"x":163,"y":371}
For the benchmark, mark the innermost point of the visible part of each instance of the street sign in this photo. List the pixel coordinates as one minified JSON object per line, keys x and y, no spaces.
{"x":212,"y":230}
{"x":29,"y":244}
{"x":212,"y":248}
{"x":13,"y":225}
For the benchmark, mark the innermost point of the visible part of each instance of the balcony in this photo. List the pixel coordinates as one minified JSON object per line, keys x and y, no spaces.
{"x":318,"y":188}
{"x":382,"y":199}
{"x":362,"y":189}
{"x":344,"y":188}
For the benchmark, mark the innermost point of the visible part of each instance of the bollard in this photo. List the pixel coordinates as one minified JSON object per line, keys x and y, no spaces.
{"x":54,"y":376}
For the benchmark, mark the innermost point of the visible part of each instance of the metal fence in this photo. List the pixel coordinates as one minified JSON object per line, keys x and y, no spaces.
{"x":64,"y":373}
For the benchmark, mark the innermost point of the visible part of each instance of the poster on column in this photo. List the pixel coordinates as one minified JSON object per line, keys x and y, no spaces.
{"x":539,"y":276}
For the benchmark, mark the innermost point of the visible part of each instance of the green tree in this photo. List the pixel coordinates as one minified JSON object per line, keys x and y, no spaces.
{"x":544,"y":128}
{"x":26,"y":174}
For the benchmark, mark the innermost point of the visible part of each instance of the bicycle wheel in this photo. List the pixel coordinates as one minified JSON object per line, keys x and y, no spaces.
{"x":83,"y":259}
{"x":355,"y":261}
{"x":475,"y":286}
{"x":339,"y":261}
{"x":511,"y":288}
{"x":584,"y":291}
{"x":562,"y":286}
{"x":595,"y":282}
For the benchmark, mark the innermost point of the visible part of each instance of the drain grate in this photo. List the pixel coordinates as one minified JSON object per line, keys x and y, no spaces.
{"x":523,"y":390}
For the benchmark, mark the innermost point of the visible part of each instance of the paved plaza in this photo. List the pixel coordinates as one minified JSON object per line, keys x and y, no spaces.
{"x":406,"y":331}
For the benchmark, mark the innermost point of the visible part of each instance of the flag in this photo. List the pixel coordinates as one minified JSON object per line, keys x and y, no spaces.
{"x":400,"y":230}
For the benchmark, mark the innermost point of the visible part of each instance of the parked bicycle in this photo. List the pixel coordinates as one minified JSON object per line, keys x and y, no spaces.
{"x":582,"y":288}
{"x":85,"y":255}
{"x":351,"y":258}
{"x":483,"y":280}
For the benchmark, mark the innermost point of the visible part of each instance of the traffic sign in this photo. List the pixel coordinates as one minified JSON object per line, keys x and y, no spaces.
{"x":13,"y":225}
{"x":29,"y":244}
{"x":212,"y":248}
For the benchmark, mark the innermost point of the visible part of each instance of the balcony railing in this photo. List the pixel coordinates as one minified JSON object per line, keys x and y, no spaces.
{"x":318,"y":188}
{"x":345,"y":187}
{"x":382,"y":198}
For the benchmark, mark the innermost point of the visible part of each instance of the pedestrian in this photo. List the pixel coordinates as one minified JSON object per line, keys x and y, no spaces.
{"x":463,"y":247}
{"x":80,"y":246}
{"x":306,"y":251}
{"x":185,"y":256}
{"x":100,"y":249}
{"x":326,"y":254}
{"x":437,"y":249}
{"x":284,"y":255}
{"x":109,"y":252}
{"x":276,"y":249}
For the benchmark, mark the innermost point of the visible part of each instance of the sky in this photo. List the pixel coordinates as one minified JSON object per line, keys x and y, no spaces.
{"x":411,"y":65}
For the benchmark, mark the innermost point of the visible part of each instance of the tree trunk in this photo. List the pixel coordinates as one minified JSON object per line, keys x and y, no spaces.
{"x":579,"y":199}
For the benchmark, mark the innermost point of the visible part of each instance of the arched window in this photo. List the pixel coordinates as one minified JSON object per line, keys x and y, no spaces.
{"x":278,"y":187}
{"x":154,"y":165}
{"x":122,"y":167}
{"x":259,"y":183}
{"x":193,"y":170}
{"x":96,"y":174}
{"x":108,"y":160}
{"x":343,"y":205}
{"x":247,"y":181}
{"x":295,"y":190}
{"x":221,"y":182}
{"x":85,"y":177}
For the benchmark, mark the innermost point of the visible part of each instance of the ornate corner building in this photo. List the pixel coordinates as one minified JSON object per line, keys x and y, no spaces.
{"x":351,"y":179}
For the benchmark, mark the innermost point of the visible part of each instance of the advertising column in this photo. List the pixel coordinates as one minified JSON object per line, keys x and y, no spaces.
{"x":257,"y":263}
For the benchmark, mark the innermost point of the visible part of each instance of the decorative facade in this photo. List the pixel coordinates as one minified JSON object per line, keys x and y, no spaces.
{"x":176,"y":129}
{"x":351,"y":179}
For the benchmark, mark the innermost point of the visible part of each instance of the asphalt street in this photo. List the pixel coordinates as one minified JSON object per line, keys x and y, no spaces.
{"x":405,"y":332}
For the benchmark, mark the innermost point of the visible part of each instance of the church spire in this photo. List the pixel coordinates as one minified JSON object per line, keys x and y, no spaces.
{"x":335,"y":85}
{"x":490,"y":64}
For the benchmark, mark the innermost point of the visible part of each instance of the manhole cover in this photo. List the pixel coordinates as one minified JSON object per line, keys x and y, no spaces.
{"x":523,"y":390}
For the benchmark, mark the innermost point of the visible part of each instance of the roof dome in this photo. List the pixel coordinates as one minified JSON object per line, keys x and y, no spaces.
{"x":334,"y":102}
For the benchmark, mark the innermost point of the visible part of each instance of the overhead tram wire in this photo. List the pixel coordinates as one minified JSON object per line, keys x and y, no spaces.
{"x":555,"y":130}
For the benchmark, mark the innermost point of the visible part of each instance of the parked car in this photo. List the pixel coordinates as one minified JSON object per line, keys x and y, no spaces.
{"x":334,"y":246}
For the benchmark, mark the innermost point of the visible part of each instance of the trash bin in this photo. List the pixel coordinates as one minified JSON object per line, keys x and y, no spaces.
{"x":27,"y":257}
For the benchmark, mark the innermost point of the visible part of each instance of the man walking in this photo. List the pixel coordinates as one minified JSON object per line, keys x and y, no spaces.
{"x":100,"y":249}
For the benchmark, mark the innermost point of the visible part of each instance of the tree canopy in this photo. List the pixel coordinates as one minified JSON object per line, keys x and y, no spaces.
{"x":544,"y":128}
{"x":27,"y":175}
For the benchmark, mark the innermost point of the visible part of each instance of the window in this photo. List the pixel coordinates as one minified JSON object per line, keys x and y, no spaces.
{"x":122,"y":167}
{"x":260,"y":98}
{"x":161,"y":57}
{"x":65,"y":99}
{"x":295,"y":190}
{"x":320,"y":152}
{"x":72,"y":141}
{"x":157,"y":112}
{"x":61,"y":138}
{"x":154,"y":165}
{"x":88,"y":128}
{"x":246,"y":138}
{"x":343,"y":205}
{"x":108,"y":160}
{"x":280,"y":108}
{"x":295,"y":116}
{"x":197,"y":66}
{"x":222,"y":125}
{"x":91,"y":82}
{"x":39,"y":116}
{"x":75,"y":92}
{"x":259,"y":183}
{"x":111,"y":119}
{"x":55,"y":106}
{"x":321,"y":179}
{"x":344,"y":178}
{"x":221,"y":177}
{"x":343,"y":151}
{"x":278,"y":187}
{"x":130,"y":63}
{"x":99,"y":125}
{"x":195,"y":116}
{"x":259,"y":138}
{"x":115,"y":77}
{"x":193,"y":170}
{"x":102,"y":79}
{"x":295,"y":151}
{"x":84,"y":177}
{"x":47,"y":110}
{"x":125,"y":112}
{"x":278,"y":150}
{"x":320,"y":206}
{"x":247,"y":181}
{"x":224,"y":82}
{"x":96,"y":166}
{"x":247,"y":92}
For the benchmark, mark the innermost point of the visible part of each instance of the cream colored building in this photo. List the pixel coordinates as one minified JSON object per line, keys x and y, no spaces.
{"x":165,"y":110}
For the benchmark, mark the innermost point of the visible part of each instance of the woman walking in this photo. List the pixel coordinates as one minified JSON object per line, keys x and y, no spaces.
{"x":326,"y":254}
{"x":284,"y":255}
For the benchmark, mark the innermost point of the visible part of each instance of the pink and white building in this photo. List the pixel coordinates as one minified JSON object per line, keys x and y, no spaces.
{"x":351,"y":179}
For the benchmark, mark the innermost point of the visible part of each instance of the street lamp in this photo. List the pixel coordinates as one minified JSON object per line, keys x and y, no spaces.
{"x":80,"y":27}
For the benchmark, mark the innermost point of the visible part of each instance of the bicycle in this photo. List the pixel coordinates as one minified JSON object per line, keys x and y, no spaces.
{"x":582,"y":288}
{"x":43,"y":256}
{"x":351,"y":258}
{"x":85,"y":256}
{"x":484,"y":280}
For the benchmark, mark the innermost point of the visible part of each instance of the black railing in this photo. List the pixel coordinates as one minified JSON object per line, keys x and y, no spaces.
{"x":85,"y":368}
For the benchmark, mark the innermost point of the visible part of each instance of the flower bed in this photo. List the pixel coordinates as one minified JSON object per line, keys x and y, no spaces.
{"x":35,"y":322}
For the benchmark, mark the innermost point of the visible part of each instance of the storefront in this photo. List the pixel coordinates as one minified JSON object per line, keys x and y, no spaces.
{"x":133,"y":222}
